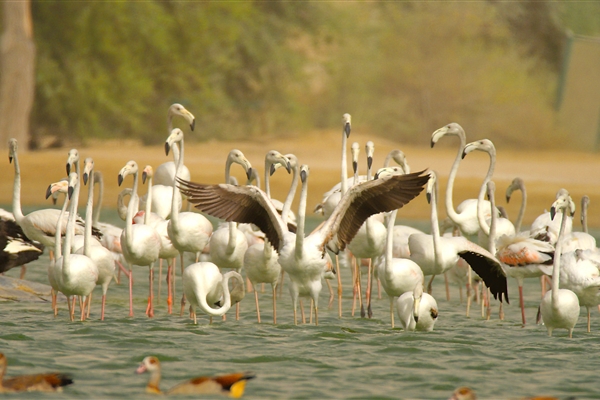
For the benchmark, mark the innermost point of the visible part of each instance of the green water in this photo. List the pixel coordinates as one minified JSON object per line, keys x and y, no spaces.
{"x":347,"y":358}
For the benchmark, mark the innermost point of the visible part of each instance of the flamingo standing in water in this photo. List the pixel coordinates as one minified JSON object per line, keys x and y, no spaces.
{"x":304,"y":257}
{"x":140,"y":243}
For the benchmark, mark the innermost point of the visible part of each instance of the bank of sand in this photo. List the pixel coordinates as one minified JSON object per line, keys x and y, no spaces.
{"x":544,"y":172}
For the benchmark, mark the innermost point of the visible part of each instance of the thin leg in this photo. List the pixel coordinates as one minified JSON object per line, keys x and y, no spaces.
{"x":23,"y":271}
{"x":295,"y":304}
{"x":151,"y":294}
{"x":447,"y":286}
{"x":89,"y":306}
{"x":331,"y":295}
{"x":369,"y":288}
{"x":430,"y":284}
{"x":82,"y":307}
{"x":392,"y":310}
{"x":182,"y":293}
{"x":130,"y":292}
{"x":274,"y":288}
{"x":169,"y":289}
{"x":311,"y":311}
{"x":160,"y":263}
{"x":237,"y":311}
{"x":522,"y":304}
{"x":69,"y":306}
{"x":316,"y":315}
{"x":339,"y":290}
{"x":103,"y":305}
{"x":302,"y":312}
{"x":589,"y":320}
{"x":257,"y":308}
{"x":354,"y":285}
{"x":469,"y":280}
{"x":54,"y":305}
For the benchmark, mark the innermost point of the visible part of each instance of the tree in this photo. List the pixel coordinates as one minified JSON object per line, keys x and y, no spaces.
{"x":17,"y":84}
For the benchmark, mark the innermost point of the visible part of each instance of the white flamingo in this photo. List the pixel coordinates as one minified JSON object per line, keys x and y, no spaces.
{"x":140,"y":243}
{"x":227,"y":244}
{"x":261,"y":260}
{"x":417,"y":311}
{"x":436,"y":254}
{"x":560,"y":307}
{"x":165,"y":172}
{"x":76,"y":274}
{"x":102,"y":257}
{"x":189,"y":231}
{"x":302,"y":257}
{"x":397,"y":275}
{"x":204,"y":286}
{"x":465,"y":216}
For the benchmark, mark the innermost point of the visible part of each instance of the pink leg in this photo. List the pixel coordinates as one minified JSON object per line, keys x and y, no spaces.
{"x":23,"y":270}
{"x":151,"y":295}
{"x":169,"y":290}
{"x":182,"y":294}
{"x":522,"y":304}
{"x":103,"y":304}
{"x":130,"y":292}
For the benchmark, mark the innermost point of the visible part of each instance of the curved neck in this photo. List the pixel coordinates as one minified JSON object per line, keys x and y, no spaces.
{"x":452,"y":214}
{"x":178,"y":165}
{"x":557,"y":255}
{"x":480,"y":199}
{"x":493,"y":222}
{"x":287,"y":205}
{"x":89,"y":209}
{"x":154,"y":382}
{"x":584,"y":226}
{"x":233,"y":232}
{"x":519,"y":220}
{"x":344,"y":166}
{"x":218,"y":312}
{"x":435,"y":226}
{"x":17,"y":211}
{"x":267,"y":174}
{"x":148,"y":202}
{"x":69,"y":233}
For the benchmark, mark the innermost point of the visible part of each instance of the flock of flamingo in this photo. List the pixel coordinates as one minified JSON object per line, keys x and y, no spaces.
{"x":264,"y":239}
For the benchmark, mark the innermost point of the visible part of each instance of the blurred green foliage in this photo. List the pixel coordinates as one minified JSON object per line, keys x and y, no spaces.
{"x":252,"y":69}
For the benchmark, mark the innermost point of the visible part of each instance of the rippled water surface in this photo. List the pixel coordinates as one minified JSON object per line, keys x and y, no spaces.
{"x":345,"y":358}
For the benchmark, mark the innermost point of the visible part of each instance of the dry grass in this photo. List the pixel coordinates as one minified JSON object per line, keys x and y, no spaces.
{"x":544,"y":172}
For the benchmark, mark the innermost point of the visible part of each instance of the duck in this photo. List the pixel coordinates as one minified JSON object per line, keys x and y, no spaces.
{"x":46,"y":382}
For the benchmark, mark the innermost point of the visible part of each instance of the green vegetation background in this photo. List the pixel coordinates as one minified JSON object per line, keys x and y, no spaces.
{"x":254,"y":69}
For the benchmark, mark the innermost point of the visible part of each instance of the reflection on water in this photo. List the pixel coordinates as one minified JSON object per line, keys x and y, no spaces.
{"x":341,"y":358}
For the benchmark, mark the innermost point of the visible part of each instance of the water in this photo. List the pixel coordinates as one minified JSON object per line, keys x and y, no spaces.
{"x":349,"y":358}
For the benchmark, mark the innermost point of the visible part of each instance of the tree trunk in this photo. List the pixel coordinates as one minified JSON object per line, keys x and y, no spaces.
{"x":17,"y":80}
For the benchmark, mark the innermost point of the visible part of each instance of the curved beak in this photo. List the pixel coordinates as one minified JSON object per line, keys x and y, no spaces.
{"x":120,"y":179}
{"x":552,"y":212}
{"x":144,"y":176}
{"x":167,"y":148}
{"x":249,"y":173}
{"x":68,"y":168}
{"x":70,"y":192}
{"x":85,"y":178}
{"x":369,"y":161}
{"x":48,"y":191}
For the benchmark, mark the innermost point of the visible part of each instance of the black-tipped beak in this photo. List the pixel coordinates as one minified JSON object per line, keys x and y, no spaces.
{"x":120,"y":179}
{"x":70,"y":192}
{"x":68,"y":168}
{"x":347,"y":129}
{"x":354,"y":166}
{"x":249,"y":173}
{"x":432,"y":144}
{"x":288,"y":167}
{"x":272,"y":170}
{"x":416,"y":319}
{"x":552,"y":213}
{"x":508,"y":199}
{"x":48,"y":191}
{"x":10,"y":159}
{"x":167,"y":148}
{"x":428,"y":196}
{"x":193,"y":124}
{"x":85,"y":178}
{"x":376,"y":175}
{"x":144,"y":176}
{"x":369,"y":161}
{"x":464,"y":154}
{"x":303,"y":176}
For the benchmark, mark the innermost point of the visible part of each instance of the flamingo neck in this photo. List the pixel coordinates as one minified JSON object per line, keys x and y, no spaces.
{"x":493,"y":223}
{"x":344,"y":175}
{"x":148,"y":202}
{"x":218,"y":312}
{"x":178,"y":165}
{"x":131,"y":210}
{"x":301,"y":220}
{"x":267,"y":173}
{"x":87,"y":237}
{"x":17,"y":211}
{"x":452,"y":214}
{"x":483,"y":225}
{"x":389,"y":243}
{"x":557,"y":255}
{"x":435,"y":226}
{"x":287,"y":205}
{"x":58,"y":234}
{"x":521,"y":214}
{"x":69,"y":234}
{"x":233,"y":233}
{"x":98,"y":208}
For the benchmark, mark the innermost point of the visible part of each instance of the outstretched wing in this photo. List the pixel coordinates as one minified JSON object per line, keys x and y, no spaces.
{"x":243,"y":204}
{"x":385,"y":194}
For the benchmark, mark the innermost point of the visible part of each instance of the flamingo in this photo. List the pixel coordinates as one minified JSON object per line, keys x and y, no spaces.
{"x":102,"y":257}
{"x":227,"y":244}
{"x":397,"y":275}
{"x":39,"y":225}
{"x":165,"y":172}
{"x":560,"y":307}
{"x":436,"y":254}
{"x":580,"y":240}
{"x":369,"y":242}
{"x":302,"y":257}
{"x":417,"y":311}
{"x":45,"y":382}
{"x":261,"y":260}
{"x":232,"y":385}
{"x":189,"y":231}
{"x":465,"y":216}
{"x":140,"y":243}
{"x":204,"y":285}
{"x":76,"y":274}
{"x":16,"y":249}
